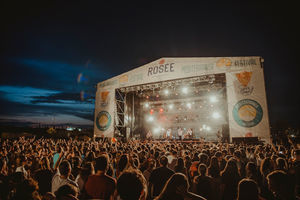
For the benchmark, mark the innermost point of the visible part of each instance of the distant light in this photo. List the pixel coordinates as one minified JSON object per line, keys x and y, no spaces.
{"x":146,"y":105}
{"x":213,"y":99}
{"x":185,"y":90}
{"x":189,"y":105}
{"x":170,"y":106}
{"x":151,"y":111}
{"x":150,"y":118}
{"x":204,"y":126}
{"x":147,"y":97}
{"x":166,"y":92}
{"x":208,"y":128}
{"x":161,"y":110}
{"x":157,"y":95}
{"x":216,"y":115}
{"x":156,"y":130}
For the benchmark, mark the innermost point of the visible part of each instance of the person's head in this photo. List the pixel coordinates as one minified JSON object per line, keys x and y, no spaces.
{"x":231,"y":168}
{"x":279,"y":184}
{"x":151,"y":164}
{"x":67,"y":191}
{"x":2,"y":165}
{"x":296,"y":154}
{"x":180,"y":162}
{"x":163,"y":161}
{"x":251,"y":169}
{"x":101,"y":163}
{"x":281,"y":164}
{"x":28,"y":189}
{"x":247,"y":190}
{"x":266,"y":167}
{"x":127,"y":180}
{"x":202,"y":169}
{"x":123,"y":162}
{"x":65,"y":168}
{"x":203,"y":158}
{"x":175,"y":181}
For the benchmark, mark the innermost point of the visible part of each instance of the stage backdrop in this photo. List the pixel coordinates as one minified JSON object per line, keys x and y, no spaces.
{"x":246,"y":96}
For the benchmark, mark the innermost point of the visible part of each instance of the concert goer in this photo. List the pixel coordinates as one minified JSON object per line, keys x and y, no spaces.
{"x":202,"y":184}
{"x":248,"y":190}
{"x":150,"y":168}
{"x":230,"y":178}
{"x":180,"y":133}
{"x":176,"y":188}
{"x":131,"y":185}
{"x":159,"y":177}
{"x":100,"y":185}
{"x":62,"y":176}
{"x":67,"y":192}
{"x":279,"y":183}
{"x":180,"y":167}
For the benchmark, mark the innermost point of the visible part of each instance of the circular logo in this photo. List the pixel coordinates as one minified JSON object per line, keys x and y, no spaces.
{"x":247,"y":113}
{"x":103,"y":120}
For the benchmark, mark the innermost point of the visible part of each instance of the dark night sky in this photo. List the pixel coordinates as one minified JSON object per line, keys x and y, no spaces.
{"x":45,"y":45}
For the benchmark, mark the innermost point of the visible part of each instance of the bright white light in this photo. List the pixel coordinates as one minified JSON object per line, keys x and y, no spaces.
{"x":150,"y":118}
{"x":213,"y":99}
{"x":146,"y":105}
{"x":216,"y":115}
{"x":204,"y":126}
{"x":170,"y":106}
{"x":208,"y":128}
{"x":184,"y":90}
{"x":166,"y":91}
{"x":189,"y":105}
{"x":156,"y":130}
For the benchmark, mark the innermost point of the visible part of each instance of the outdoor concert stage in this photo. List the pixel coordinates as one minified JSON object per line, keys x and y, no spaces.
{"x":210,"y":98}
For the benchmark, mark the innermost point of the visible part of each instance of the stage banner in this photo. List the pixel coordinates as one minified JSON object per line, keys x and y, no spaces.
{"x":104,"y":112}
{"x":247,"y":106}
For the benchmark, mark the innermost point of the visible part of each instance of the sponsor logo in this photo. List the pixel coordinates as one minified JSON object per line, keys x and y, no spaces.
{"x":247,"y":113}
{"x":244,"y":79}
{"x":162,"y":67}
{"x":103,"y":120}
{"x":224,"y":62}
{"x":104,"y":98}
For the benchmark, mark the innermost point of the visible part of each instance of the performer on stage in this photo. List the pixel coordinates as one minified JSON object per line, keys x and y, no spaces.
{"x":169,"y":133}
{"x":189,"y":133}
{"x":220,"y":136}
{"x":180,"y":133}
{"x":149,"y":135}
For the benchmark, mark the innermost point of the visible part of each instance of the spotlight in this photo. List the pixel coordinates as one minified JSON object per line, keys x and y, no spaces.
{"x":213,"y":99}
{"x":189,"y":105}
{"x":150,"y":118}
{"x":216,"y":115}
{"x":184,"y":90}
{"x":204,"y":126}
{"x":156,"y":130}
{"x":166,"y":92}
{"x":208,"y":128}
{"x":146,"y":105}
{"x":170,"y":106}
{"x":151,"y":111}
{"x":161,"y":110}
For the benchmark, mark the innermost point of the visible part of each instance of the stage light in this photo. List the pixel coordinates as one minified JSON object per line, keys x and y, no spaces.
{"x":146,"y":105}
{"x":213,"y":99}
{"x":216,"y":115}
{"x":208,"y":128}
{"x":166,"y":92}
{"x":147,"y":97}
{"x":157,"y":95}
{"x":204,"y":126}
{"x":156,"y":130}
{"x":170,"y":106}
{"x":189,"y":105}
{"x":150,"y":119}
{"x":151,"y":111}
{"x":161,"y":110}
{"x":185,"y":90}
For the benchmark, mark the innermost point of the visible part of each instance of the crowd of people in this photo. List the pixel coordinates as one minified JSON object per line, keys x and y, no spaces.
{"x":49,"y":169}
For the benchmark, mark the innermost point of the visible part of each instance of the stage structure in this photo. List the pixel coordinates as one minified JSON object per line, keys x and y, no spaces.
{"x":209,"y":96}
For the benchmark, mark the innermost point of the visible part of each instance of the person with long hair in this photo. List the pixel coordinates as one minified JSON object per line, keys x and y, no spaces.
{"x":214,"y":169}
{"x":176,"y":188}
{"x":180,"y":166}
{"x":122,"y":164}
{"x":230,"y":178}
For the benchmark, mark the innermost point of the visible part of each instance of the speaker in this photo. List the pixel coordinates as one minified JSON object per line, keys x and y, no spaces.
{"x":245,"y":140}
